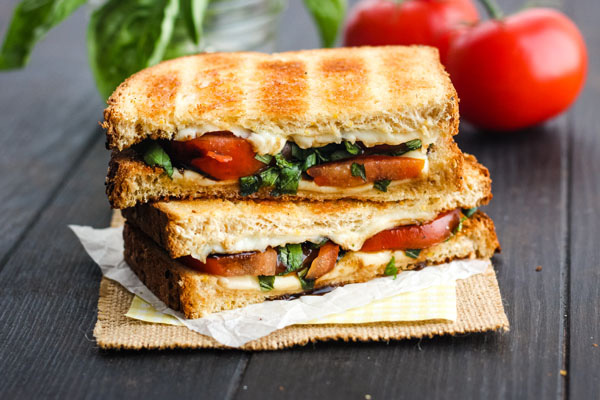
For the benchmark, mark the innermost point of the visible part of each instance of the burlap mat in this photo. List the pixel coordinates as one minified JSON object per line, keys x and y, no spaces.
{"x":478,"y":301}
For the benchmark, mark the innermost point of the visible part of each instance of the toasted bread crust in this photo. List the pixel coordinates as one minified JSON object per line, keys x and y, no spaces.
{"x":197,"y":294}
{"x":304,"y":94}
{"x":130,"y":182}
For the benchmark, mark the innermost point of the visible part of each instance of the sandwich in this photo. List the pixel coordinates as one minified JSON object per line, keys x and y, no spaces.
{"x":209,"y":255}
{"x":369,"y":123}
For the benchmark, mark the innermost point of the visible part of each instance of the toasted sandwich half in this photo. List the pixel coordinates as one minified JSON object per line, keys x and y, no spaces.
{"x":208,"y":255}
{"x":370,"y":123}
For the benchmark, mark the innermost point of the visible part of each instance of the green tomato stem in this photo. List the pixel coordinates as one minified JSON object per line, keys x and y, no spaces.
{"x":492,"y":9}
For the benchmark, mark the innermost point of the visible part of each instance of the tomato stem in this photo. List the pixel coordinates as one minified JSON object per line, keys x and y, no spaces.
{"x":492,"y":9}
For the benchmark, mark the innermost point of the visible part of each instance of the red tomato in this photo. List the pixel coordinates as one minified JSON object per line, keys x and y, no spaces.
{"x":381,"y":22}
{"x":415,"y":236}
{"x":518,"y":71}
{"x":254,"y":263}
{"x":221,"y":155}
{"x":339,"y":173}
{"x":324,"y":262}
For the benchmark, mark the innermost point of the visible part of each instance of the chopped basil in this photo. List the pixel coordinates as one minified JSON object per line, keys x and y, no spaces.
{"x":266,"y":282}
{"x":282,"y":162}
{"x":307,"y":284}
{"x":310,"y":161}
{"x":390,"y":268}
{"x":289,"y":177}
{"x":459,"y":226}
{"x":352,"y":148}
{"x":297,"y":152}
{"x":291,"y":256}
{"x":155,"y":156}
{"x":358,"y":170}
{"x":412,"y":253}
{"x":339,"y":155}
{"x":269,"y":176}
{"x":265,"y":158}
{"x":249,"y":185}
{"x":469,"y":212}
{"x":409,"y":146}
{"x":382,"y":185}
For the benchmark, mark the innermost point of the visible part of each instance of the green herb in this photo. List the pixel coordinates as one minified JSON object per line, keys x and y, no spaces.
{"x":310,"y":161}
{"x":125,"y":36}
{"x":264,"y":158}
{"x":411,"y":145}
{"x":352,"y":148}
{"x":249,"y":185}
{"x":390,"y":268}
{"x":307,"y":284}
{"x":155,"y":156}
{"x":291,"y":256}
{"x":268,"y":177}
{"x":469,"y":212}
{"x":382,"y":185}
{"x":459,"y":226}
{"x":358,"y":170}
{"x":297,"y":152}
{"x":266,"y":282}
{"x":289,"y":177}
{"x":193,"y":16}
{"x":281,"y":162}
{"x":31,"y":21}
{"x":412,"y":253}
{"x":329,"y":15}
{"x":339,"y":155}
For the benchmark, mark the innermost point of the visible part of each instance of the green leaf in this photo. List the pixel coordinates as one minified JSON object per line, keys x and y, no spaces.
{"x":281,"y":162}
{"x":269,"y":177}
{"x":264,"y":158}
{"x":329,"y":15}
{"x":266,"y":282}
{"x":382,"y":185}
{"x":358,"y":170}
{"x":412,"y":253}
{"x":155,"y":156}
{"x":459,"y":226}
{"x":339,"y":155}
{"x":288,"y":180}
{"x":297,"y":152}
{"x":390,"y":268}
{"x":352,"y":148}
{"x":249,"y":185}
{"x":125,"y":36}
{"x":309,"y":161}
{"x":411,"y":145}
{"x":307,"y":284}
{"x":193,"y":12}
{"x":294,"y":257}
{"x":31,"y":20}
{"x":469,"y":212}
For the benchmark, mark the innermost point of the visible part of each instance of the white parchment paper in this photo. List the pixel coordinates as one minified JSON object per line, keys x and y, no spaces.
{"x":236,"y":327}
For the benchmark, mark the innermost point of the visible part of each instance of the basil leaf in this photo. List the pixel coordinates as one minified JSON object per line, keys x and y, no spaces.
{"x":249,"y":185}
{"x":358,"y":170}
{"x":307,"y":284}
{"x":283,"y":254}
{"x":281,"y":162}
{"x":269,"y":177}
{"x":412,"y":253}
{"x":390,"y":268}
{"x":266,"y":283}
{"x":31,"y":20}
{"x":469,"y":212}
{"x":411,"y":145}
{"x":382,"y":185}
{"x":329,"y":15}
{"x":297,"y":152}
{"x":310,"y":161}
{"x":265,"y":158}
{"x":193,"y":15}
{"x":288,"y":180}
{"x":125,"y":36}
{"x":352,"y":148}
{"x":155,"y":156}
{"x":322,"y":157}
{"x":294,"y":257}
{"x":459,"y":226}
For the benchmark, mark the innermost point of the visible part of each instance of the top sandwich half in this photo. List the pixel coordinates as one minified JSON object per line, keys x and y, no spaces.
{"x":332,"y":123}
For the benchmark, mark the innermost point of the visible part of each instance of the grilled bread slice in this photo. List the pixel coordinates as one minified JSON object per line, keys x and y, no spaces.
{"x":198,"y":294}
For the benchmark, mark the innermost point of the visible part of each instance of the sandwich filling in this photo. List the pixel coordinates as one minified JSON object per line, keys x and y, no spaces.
{"x":223,"y":157}
{"x":297,"y":266}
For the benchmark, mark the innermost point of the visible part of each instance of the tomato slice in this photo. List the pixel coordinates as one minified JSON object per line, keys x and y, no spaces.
{"x":324,"y":262}
{"x":339,"y":173}
{"x":221,"y":155}
{"x":252,"y":263}
{"x":415,"y":236}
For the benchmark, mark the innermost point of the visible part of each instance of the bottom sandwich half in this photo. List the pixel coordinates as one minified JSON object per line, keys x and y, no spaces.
{"x":196,"y":293}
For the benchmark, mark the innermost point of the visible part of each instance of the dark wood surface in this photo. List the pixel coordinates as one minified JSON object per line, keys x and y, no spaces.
{"x":547,"y":195}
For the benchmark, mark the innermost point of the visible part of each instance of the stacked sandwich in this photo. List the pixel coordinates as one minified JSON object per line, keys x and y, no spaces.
{"x":245,"y":177}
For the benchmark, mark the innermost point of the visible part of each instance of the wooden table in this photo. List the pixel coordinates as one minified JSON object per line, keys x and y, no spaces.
{"x":547,"y":195}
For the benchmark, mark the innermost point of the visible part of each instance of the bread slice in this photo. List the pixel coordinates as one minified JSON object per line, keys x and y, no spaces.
{"x":377,"y":95}
{"x":201,"y":227}
{"x":197,"y":294}
{"x":130,"y":181}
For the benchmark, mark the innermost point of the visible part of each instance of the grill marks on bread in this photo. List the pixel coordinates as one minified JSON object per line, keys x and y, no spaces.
{"x":161,"y":93}
{"x":346,"y":83}
{"x":284,"y":87}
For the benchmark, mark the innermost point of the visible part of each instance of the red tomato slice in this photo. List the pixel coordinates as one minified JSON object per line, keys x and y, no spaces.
{"x":415,"y":236}
{"x":324,"y":262}
{"x":221,"y":155}
{"x":253,"y":263}
{"x":339,"y":173}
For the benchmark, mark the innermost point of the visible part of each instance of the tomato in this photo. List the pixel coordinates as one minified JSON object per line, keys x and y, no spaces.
{"x":415,"y":236}
{"x":381,"y":22}
{"x":518,"y":71}
{"x":253,"y":263}
{"x":324,"y":262}
{"x":221,"y":155}
{"x":338,"y":173}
